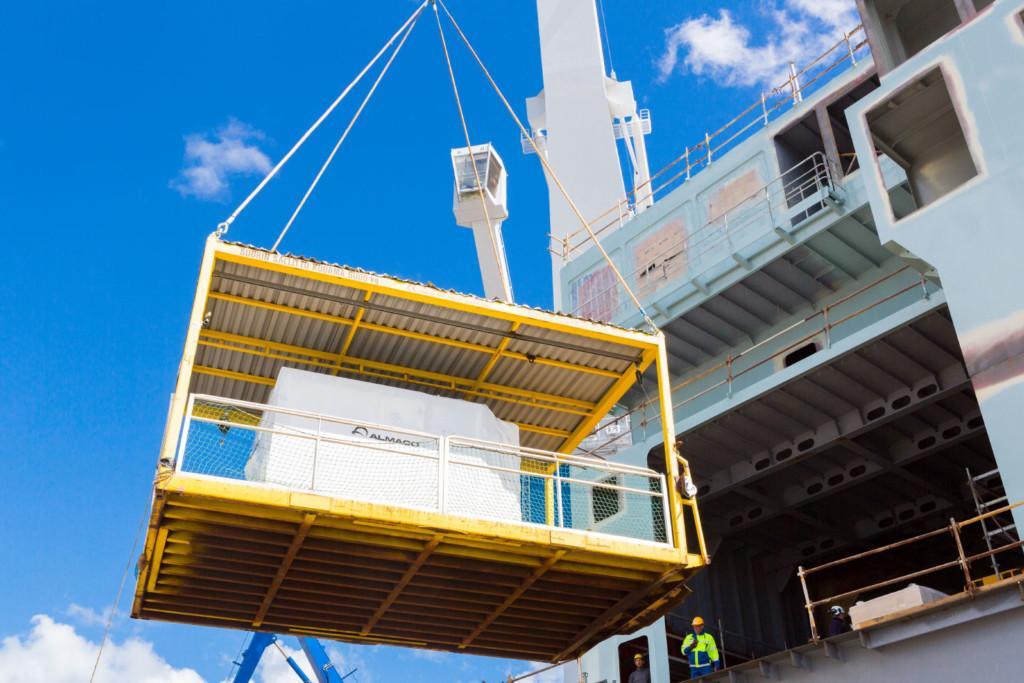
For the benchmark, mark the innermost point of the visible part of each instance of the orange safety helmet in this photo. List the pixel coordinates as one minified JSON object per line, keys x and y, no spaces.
{"x":697,"y":621}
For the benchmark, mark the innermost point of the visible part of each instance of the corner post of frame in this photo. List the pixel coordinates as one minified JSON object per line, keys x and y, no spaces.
{"x":179,"y":400}
{"x":673,"y":459}
{"x":668,"y":435}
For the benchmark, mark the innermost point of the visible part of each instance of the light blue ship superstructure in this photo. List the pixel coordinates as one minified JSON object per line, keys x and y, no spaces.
{"x":838,"y":275}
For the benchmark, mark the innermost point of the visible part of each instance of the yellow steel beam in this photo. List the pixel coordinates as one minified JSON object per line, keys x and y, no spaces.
{"x":224,"y":413}
{"x":410,"y":291}
{"x":264,"y":348}
{"x":616,"y":611}
{"x":158,"y":555}
{"x":513,"y":596}
{"x":543,"y":467}
{"x":355,"y":326}
{"x":231,"y":374}
{"x":612,"y":397}
{"x":409,"y":334}
{"x":182,"y":612}
{"x":656,"y":609}
{"x":672,"y":461}
{"x":282,"y":570}
{"x":408,"y":576}
{"x":496,"y":356}
{"x":335,"y":634}
{"x":152,"y":534}
{"x":180,"y":397}
{"x":668,"y":435}
{"x":256,"y":379}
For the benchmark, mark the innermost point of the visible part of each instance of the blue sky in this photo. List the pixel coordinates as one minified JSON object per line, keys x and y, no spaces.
{"x":128,"y":130}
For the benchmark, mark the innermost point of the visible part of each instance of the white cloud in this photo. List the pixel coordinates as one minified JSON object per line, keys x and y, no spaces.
{"x":52,"y":652}
{"x":87,"y":616}
{"x":210,"y":161}
{"x":721,"y":49}
{"x":274,"y":668}
{"x":841,"y":14}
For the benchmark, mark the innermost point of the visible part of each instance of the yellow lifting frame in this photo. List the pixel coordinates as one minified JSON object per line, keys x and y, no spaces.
{"x":650,"y":348}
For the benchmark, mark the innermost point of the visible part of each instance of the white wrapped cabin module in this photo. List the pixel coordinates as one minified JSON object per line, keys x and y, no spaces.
{"x":361,"y":460}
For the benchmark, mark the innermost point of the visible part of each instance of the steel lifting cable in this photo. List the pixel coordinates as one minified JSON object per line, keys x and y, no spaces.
{"x":235,"y":662}
{"x":223,"y":227}
{"x":469,"y":146}
{"x":348,"y":129}
{"x":547,"y":167}
{"x":120,"y":590}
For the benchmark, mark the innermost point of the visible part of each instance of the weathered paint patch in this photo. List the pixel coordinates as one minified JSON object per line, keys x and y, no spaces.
{"x":660,"y":256}
{"x":595,"y":295}
{"x":733,"y":194}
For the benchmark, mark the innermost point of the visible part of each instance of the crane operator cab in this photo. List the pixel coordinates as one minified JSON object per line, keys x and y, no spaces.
{"x":366,"y":459}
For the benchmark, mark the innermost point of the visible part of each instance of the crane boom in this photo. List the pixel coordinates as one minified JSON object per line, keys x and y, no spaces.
{"x":323,"y":668}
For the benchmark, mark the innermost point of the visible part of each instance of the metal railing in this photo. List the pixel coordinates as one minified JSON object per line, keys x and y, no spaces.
{"x":786,"y":199}
{"x":821,"y":322}
{"x":356,"y":460}
{"x":730,"y":643}
{"x":771,"y":104}
{"x":962,"y":561}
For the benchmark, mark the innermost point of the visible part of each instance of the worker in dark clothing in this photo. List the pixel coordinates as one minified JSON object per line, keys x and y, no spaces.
{"x":839,"y":623}
{"x":642,"y":674}
{"x":700,"y":650}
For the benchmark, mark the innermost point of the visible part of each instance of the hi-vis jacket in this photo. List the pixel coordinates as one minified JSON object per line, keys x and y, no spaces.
{"x":702,"y":653}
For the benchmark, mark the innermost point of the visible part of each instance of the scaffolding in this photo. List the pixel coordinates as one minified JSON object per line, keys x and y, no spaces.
{"x":961,"y":561}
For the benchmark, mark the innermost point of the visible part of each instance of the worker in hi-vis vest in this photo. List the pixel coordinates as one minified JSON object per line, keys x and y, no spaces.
{"x":700,"y":650}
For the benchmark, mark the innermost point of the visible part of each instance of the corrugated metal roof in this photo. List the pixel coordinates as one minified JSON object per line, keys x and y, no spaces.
{"x":393,"y":278}
{"x":548,"y":372}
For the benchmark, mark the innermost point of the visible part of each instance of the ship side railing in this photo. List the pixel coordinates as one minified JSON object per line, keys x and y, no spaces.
{"x":266,"y":445}
{"x":847,"y":51}
{"x":821,"y":323}
{"x":960,"y":560}
{"x":784,"y":201}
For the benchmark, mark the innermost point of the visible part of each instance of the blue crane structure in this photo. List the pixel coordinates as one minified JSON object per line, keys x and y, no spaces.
{"x":323,"y":669}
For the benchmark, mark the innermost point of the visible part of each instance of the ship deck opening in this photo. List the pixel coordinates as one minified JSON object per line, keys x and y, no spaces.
{"x":820,"y":469}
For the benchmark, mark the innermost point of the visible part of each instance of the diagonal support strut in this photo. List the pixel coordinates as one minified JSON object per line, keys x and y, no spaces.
{"x":408,"y":576}
{"x":282,"y":571}
{"x":510,"y":600}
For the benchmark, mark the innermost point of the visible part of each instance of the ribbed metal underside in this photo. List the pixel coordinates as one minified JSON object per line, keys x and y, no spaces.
{"x":300,"y":572}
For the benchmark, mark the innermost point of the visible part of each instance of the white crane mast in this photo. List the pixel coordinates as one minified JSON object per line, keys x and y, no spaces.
{"x":576,"y":120}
